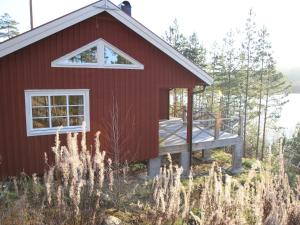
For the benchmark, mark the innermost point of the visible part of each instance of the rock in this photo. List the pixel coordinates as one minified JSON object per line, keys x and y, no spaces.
{"x":112,"y":220}
{"x":194,"y":219}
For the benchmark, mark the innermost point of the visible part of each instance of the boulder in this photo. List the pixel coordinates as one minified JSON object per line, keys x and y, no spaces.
{"x":112,"y":220}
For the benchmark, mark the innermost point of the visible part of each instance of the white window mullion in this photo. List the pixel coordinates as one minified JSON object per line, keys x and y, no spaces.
{"x":49,"y":111}
{"x":68,"y":116}
{"x":30,"y":113}
{"x":86,"y":110}
{"x":100,"y":52}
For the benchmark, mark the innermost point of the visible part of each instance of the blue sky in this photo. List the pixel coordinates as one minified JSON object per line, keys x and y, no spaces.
{"x":209,"y":19}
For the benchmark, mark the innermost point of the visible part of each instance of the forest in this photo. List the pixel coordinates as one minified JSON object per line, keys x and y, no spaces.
{"x":246,"y":80}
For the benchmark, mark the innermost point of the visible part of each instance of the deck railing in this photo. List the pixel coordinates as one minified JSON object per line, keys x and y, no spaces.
{"x":204,"y":122}
{"x":172,"y":128}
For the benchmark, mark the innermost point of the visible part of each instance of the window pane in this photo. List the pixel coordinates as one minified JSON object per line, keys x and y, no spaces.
{"x":58,"y":100}
{"x":111,"y":57}
{"x":59,"y":111}
{"x":76,"y":121}
{"x":39,"y":100}
{"x":59,"y":121}
{"x":40,"y":123}
{"x":88,"y":56}
{"x":76,"y":100}
{"x":40,"y":112}
{"x":76,"y":110}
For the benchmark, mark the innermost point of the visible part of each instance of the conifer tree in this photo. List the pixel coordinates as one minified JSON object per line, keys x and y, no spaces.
{"x":8,"y":27}
{"x":263,"y":53}
{"x":248,"y":48}
{"x":195,"y":52}
{"x":277,"y":89}
{"x":175,"y":38}
{"x":229,"y":74}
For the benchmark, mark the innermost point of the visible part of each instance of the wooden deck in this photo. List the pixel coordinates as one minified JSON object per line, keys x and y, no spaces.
{"x":209,"y":131}
{"x":206,"y":134}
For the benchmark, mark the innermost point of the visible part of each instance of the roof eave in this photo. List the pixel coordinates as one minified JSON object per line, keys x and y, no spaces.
{"x":92,"y":10}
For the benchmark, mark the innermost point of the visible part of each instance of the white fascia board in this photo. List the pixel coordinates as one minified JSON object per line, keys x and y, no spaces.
{"x":89,"y":11}
{"x":159,"y":43}
{"x":50,"y":28}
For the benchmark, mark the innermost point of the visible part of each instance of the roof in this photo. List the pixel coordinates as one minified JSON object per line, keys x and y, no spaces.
{"x":84,"y":13}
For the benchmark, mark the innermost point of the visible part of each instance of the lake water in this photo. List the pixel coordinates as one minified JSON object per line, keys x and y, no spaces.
{"x":290,"y":115}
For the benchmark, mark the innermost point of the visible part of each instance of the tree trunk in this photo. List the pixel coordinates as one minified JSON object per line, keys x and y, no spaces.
{"x":259,"y":110}
{"x":246,"y":100}
{"x":265,"y":123}
{"x":228,"y":95}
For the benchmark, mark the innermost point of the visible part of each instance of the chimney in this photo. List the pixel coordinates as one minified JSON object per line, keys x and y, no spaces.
{"x":126,"y":7}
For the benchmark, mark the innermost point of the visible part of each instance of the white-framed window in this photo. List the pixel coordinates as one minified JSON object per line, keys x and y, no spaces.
{"x":53,"y":109}
{"x":98,"y":54}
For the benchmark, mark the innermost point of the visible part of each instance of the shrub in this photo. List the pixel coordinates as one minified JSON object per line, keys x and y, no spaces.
{"x":82,"y":188}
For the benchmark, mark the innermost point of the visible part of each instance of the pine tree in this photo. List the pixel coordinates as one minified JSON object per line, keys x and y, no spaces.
{"x":263,"y":52}
{"x":179,"y":42}
{"x":214,"y":68}
{"x":195,"y":52}
{"x":248,"y":47}
{"x":277,"y":89}
{"x":230,"y":67}
{"x":8,"y":27}
{"x":176,"y":39}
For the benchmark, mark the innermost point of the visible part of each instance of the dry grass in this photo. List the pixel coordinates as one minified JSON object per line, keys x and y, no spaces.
{"x":83,"y":188}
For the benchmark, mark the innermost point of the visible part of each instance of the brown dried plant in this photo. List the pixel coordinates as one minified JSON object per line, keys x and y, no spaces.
{"x":76,"y":188}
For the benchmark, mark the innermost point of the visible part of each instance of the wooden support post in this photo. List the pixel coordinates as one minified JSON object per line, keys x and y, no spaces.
{"x":241,"y":127}
{"x":183,"y":116}
{"x":154,"y":167}
{"x":218,"y":122}
{"x":217,"y":129}
{"x":237,"y":155}
{"x":190,"y":124}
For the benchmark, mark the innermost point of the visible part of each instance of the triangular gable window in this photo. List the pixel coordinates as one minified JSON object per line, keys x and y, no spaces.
{"x":98,"y":54}
{"x":111,"y":57}
{"x":87,"y":56}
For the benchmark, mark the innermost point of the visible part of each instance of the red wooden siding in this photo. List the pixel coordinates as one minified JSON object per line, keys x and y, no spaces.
{"x":164,"y":102}
{"x":135,"y":91}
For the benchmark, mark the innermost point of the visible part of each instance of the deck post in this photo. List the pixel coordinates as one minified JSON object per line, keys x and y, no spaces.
{"x":241,"y":127}
{"x":185,"y":162}
{"x":237,"y":155}
{"x":190,"y":127}
{"x":183,"y":116}
{"x":206,"y":155}
{"x":154,"y":167}
{"x":217,"y":125}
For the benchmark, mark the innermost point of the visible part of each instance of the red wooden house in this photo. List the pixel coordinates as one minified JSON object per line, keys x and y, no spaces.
{"x":86,"y":66}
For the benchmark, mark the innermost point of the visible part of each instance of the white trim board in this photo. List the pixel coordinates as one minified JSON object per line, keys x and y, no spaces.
{"x":100,"y":44}
{"x":59,"y":24}
{"x":55,"y":92}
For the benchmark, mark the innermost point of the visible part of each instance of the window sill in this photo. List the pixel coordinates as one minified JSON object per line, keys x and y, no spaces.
{"x":53,"y":131}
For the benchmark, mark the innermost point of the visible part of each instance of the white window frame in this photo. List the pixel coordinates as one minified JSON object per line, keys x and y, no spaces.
{"x":100,"y":44}
{"x":56,"y":92}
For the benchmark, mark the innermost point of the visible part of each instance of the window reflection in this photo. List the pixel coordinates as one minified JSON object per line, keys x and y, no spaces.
{"x":111,"y":57}
{"x":87,"y":56}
